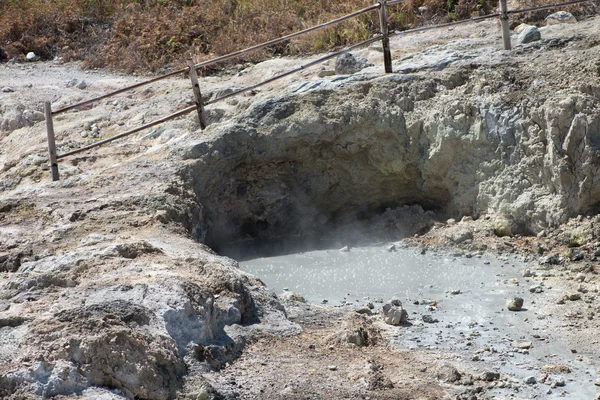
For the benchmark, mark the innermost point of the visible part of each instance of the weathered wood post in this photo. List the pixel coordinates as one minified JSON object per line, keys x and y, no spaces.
{"x":504,"y":23}
{"x":387,"y":55}
{"x":51,"y":141}
{"x":197,"y":94}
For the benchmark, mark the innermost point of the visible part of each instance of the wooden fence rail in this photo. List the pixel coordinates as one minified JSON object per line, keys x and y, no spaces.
{"x":226,"y":57}
{"x":191,"y":69}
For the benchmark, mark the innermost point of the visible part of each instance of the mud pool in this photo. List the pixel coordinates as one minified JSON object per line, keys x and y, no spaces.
{"x":470,"y":291}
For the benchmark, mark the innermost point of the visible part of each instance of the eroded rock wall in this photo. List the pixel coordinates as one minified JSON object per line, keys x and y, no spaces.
{"x":466,"y":137}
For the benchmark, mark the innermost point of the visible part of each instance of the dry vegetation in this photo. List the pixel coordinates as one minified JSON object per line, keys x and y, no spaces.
{"x":147,"y":35}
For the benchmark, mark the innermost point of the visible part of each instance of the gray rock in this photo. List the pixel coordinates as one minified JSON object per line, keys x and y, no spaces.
{"x":429,"y":319}
{"x":31,"y":56}
{"x":515,"y":304}
{"x":550,"y":260}
{"x":33,"y":116}
{"x":391,"y":248}
{"x":363,"y":310}
{"x":489,"y":376}
{"x":536,"y":289}
{"x":347,"y":64}
{"x":394,"y":313}
{"x":447,"y":373}
{"x":7,"y":89}
{"x":561,"y":17}
{"x":530,"y":380}
{"x":572,"y":296}
{"x":345,"y":249}
{"x":459,"y":235}
{"x":575,"y":254}
{"x":559,"y":381}
{"x":529,"y":34}
{"x":81,"y":85}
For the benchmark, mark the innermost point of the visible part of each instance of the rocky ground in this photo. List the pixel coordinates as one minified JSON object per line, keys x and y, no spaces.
{"x":108,"y":293}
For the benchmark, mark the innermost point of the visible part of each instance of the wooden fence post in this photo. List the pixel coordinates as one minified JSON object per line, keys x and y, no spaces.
{"x":51,"y":141}
{"x":504,"y":23}
{"x":387,"y":55}
{"x":197,"y":94}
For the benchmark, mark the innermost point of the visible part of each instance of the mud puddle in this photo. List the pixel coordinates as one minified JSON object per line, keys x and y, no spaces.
{"x":457,"y":306}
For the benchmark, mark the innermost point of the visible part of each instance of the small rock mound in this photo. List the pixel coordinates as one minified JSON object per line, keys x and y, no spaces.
{"x":357,"y":330}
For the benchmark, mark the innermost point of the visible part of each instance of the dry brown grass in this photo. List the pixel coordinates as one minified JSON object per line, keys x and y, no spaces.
{"x":147,"y":35}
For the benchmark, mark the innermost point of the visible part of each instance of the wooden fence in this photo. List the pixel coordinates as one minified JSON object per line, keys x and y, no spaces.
{"x":200,"y":103}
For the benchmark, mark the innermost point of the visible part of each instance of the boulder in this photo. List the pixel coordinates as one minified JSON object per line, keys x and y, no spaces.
{"x":560,"y":17}
{"x":394,"y":313}
{"x":347,"y":64}
{"x":515,"y":304}
{"x":529,"y":34}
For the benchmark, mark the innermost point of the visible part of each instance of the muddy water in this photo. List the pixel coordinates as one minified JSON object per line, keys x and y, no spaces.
{"x":466,"y":322}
